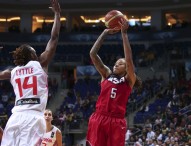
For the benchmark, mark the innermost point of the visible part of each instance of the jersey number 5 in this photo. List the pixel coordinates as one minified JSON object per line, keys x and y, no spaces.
{"x":113,"y":92}
{"x":26,"y":85}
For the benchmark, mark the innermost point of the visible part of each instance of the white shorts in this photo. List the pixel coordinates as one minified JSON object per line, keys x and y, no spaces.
{"x":24,"y":129}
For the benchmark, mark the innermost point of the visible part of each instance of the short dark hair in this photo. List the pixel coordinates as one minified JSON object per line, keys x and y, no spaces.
{"x":22,"y":55}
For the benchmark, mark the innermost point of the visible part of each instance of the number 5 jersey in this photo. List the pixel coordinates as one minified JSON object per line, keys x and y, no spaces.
{"x":114,"y":95}
{"x":30,"y":87}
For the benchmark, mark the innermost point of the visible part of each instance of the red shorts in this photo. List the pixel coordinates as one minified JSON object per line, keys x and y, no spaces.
{"x":105,"y":130}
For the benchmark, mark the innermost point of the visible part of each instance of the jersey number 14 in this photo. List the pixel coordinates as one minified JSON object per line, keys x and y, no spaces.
{"x":27,"y":85}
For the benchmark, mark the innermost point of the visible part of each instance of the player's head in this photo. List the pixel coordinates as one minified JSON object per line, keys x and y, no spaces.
{"x":120,"y":67}
{"x":23,"y":54}
{"x":48,"y":115}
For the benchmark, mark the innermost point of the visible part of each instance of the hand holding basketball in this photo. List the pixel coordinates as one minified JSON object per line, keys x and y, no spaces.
{"x":123,"y":25}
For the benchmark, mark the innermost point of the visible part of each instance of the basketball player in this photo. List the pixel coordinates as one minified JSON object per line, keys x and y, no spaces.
{"x":53,"y":136}
{"x":107,"y":125}
{"x":29,"y":79}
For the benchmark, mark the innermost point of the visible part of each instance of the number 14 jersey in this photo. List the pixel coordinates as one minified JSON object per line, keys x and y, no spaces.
{"x":30,"y":87}
{"x":114,"y":96}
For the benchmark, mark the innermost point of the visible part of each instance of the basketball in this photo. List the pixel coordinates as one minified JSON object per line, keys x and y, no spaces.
{"x":112,"y":18}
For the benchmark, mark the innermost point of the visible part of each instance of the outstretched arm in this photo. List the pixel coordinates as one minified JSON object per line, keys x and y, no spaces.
{"x":49,"y":52}
{"x":128,"y":53}
{"x":6,"y":74}
{"x":100,"y":66}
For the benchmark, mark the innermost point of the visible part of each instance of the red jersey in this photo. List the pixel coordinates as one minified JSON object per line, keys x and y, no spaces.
{"x":114,"y":95}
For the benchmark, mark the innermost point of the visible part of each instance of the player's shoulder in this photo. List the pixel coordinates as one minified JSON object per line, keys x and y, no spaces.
{"x":56,"y":128}
{"x":34,"y":62}
{"x":57,"y":131}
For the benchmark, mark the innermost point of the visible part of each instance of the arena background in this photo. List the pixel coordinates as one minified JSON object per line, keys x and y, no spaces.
{"x":160,"y":37}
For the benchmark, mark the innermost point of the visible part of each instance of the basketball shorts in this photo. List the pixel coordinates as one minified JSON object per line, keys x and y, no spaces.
{"x":24,"y":129}
{"x":104,"y":130}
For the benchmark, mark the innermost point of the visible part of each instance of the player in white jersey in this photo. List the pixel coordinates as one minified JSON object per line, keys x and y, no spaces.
{"x":26,"y":126}
{"x":53,"y":136}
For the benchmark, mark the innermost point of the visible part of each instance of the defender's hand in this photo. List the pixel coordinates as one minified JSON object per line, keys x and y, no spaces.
{"x":55,"y":6}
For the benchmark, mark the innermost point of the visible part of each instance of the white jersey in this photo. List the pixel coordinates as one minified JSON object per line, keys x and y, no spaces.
{"x":30,"y":87}
{"x":49,"y":138}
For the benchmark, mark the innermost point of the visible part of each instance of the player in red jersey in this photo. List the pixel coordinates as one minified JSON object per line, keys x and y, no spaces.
{"x":107,"y":125}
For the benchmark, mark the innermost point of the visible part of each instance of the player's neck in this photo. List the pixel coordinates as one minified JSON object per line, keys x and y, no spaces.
{"x":49,"y":127}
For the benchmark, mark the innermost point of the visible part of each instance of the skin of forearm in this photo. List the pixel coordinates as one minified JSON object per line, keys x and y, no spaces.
{"x":127,"y":50}
{"x":98,"y":44}
{"x":51,"y":46}
{"x":56,"y":26}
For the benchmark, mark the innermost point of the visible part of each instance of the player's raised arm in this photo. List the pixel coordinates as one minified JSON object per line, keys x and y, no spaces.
{"x":128,"y":53}
{"x":49,"y":52}
{"x":100,"y":66}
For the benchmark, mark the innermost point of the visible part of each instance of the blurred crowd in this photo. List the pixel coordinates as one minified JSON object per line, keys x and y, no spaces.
{"x":165,"y":126}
